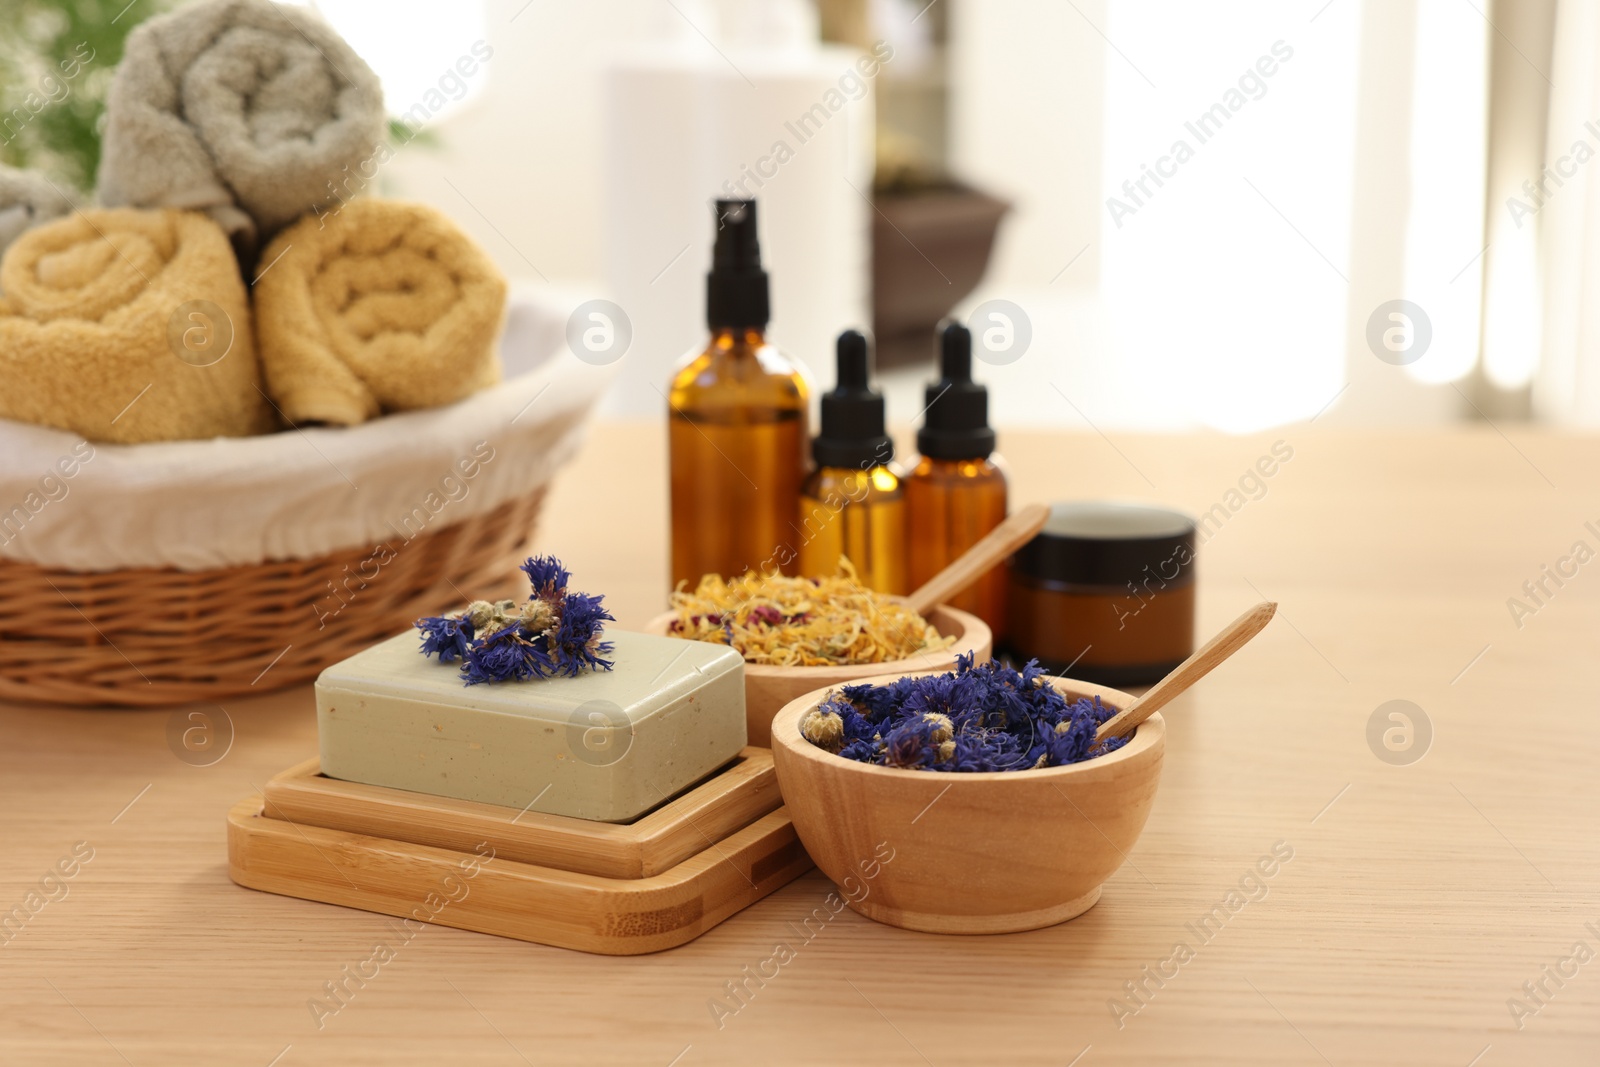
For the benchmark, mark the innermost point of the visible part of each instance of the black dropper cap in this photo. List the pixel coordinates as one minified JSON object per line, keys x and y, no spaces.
{"x":957,"y":426}
{"x":852,"y":414}
{"x":736,"y":288}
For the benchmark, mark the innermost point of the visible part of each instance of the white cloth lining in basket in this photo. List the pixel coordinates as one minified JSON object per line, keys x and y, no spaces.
{"x":301,"y":494}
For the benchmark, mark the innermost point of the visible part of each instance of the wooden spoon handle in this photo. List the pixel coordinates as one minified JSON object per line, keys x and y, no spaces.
{"x":1190,"y":671}
{"x":976,"y":561}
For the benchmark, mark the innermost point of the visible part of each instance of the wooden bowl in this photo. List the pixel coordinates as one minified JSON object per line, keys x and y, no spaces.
{"x":954,"y":853}
{"x":767,"y":689}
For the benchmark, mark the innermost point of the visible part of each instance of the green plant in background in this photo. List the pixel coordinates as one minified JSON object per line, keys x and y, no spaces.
{"x":401,"y":135}
{"x":56,"y":61}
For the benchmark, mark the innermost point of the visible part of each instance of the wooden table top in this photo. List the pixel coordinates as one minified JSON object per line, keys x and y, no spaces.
{"x":1419,"y":899}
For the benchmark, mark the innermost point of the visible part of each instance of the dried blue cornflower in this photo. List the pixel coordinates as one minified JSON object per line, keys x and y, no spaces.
{"x":987,"y":717}
{"x":548,"y":577}
{"x":862,"y":751}
{"x":553,"y":633}
{"x":910,"y":744}
{"x":445,"y":636}
{"x":506,"y":656}
{"x":576,"y":644}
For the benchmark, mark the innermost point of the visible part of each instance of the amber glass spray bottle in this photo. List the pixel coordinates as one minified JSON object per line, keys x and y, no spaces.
{"x":853,"y":505}
{"x":737,"y":423}
{"x":956,"y":491}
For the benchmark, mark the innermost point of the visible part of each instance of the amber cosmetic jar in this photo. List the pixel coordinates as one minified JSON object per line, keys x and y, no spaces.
{"x":1104,"y":593}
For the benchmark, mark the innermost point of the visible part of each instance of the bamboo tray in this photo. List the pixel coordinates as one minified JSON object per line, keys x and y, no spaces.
{"x":652,"y":844}
{"x":702,"y":857}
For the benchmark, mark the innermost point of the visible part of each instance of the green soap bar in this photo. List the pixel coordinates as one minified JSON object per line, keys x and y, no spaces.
{"x":605,"y":745}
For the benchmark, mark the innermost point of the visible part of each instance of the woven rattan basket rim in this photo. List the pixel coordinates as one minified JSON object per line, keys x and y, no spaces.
{"x":153,"y":637}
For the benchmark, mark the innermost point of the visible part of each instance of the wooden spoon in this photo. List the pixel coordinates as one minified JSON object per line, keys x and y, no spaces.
{"x":1190,"y":671}
{"x":976,"y":561}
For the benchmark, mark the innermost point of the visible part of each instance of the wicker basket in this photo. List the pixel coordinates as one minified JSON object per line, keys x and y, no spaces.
{"x":160,"y":637}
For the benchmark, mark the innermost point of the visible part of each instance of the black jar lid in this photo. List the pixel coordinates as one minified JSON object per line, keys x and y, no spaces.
{"x":1109,"y":543}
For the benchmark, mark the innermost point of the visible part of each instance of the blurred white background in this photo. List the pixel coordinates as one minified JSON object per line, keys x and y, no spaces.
{"x":1357,"y":152}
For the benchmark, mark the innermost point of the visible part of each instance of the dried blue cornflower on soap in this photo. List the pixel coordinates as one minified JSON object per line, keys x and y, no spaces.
{"x":980,"y":718}
{"x":553,"y":633}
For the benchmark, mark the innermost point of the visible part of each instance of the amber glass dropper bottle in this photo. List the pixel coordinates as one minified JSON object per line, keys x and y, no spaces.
{"x":852,"y":504}
{"x":956,"y":489}
{"x":737,"y":424}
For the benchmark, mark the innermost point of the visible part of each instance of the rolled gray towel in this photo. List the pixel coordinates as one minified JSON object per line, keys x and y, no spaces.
{"x":252,"y":111}
{"x":27,"y":199}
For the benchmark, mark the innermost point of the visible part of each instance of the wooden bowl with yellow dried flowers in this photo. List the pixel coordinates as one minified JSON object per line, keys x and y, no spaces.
{"x":857,"y":635}
{"x":801,"y":634}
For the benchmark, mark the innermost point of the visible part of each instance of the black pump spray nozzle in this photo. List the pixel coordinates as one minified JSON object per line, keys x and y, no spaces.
{"x":736,"y":288}
{"x":957,"y":425}
{"x":852,"y":414}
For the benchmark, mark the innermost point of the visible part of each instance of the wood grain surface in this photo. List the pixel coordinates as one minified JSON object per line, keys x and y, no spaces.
{"x":1416,"y":901}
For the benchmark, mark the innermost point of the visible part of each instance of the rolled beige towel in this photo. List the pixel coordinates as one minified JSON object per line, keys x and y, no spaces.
{"x":384,"y":306}
{"x":27,"y":199}
{"x":251,"y":111}
{"x":126,"y":325}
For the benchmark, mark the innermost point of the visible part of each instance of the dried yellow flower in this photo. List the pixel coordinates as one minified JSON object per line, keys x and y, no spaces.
{"x":825,"y":729}
{"x":803,"y":622}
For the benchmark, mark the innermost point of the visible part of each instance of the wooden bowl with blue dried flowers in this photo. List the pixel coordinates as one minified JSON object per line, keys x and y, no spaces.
{"x":972,"y":802}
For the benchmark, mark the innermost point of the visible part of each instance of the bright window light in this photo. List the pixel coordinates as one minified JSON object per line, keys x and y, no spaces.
{"x":414,"y":46}
{"x":1225,"y":266}
{"x":1444,"y":230}
{"x":1511,"y":325}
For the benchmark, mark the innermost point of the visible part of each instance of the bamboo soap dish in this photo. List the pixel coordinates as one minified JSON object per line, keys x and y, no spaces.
{"x":607,"y":745}
{"x":613,"y":888}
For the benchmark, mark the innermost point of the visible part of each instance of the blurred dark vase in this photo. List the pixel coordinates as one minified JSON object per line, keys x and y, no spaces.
{"x":930,"y":248}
